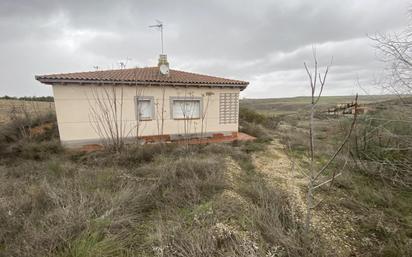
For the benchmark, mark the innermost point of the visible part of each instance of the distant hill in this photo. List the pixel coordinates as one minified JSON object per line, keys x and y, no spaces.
{"x":295,"y":104}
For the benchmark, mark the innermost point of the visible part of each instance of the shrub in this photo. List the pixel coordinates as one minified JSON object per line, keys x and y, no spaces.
{"x":217,"y":148}
{"x":20,"y":138}
{"x":132,"y":155}
{"x":185,"y":180}
{"x":20,"y":127}
{"x":39,"y":217}
{"x":255,"y":130}
{"x":96,"y":243}
{"x":38,"y":150}
{"x":383,"y":142}
{"x":251,"y":116}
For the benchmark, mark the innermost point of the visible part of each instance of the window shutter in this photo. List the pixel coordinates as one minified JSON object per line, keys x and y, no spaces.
{"x":145,"y":107}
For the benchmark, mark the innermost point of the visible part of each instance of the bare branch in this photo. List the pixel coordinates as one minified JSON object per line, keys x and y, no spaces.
{"x":332,"y":158}
{"x":327,"y":181}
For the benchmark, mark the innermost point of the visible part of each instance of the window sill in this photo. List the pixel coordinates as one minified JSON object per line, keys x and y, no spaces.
{"x":148,"y":119}
{"x":186,"y":118}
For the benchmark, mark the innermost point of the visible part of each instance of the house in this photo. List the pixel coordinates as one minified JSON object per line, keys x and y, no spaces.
{"x":152,"y":103}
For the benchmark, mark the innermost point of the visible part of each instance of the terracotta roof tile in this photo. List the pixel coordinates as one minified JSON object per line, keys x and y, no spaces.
{"x":140,"y":75}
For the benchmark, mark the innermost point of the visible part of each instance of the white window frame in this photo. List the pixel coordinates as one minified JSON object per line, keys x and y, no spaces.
{"x":144,"y":98}
{"x":183,"y":98}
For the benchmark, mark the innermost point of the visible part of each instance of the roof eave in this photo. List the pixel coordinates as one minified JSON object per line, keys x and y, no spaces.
{"x":49,"y":81}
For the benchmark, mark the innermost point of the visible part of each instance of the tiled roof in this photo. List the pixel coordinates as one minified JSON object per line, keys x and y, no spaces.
{"x":149,"y":75}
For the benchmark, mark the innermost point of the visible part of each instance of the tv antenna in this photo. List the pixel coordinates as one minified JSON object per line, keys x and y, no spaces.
{"x":159,"y":26}
{"x":123,"y":64}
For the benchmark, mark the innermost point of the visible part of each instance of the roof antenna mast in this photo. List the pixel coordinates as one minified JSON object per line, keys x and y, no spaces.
{"x":159,"y":25}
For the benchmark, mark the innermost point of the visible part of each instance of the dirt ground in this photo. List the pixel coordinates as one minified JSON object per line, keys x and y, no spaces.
{"x":333,"y":225}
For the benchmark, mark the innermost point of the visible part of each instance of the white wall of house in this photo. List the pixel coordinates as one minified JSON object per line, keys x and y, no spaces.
{"x":76,"y":118}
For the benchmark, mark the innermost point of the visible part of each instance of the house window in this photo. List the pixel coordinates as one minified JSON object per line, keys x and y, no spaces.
{"x":144,"y":108}
{"x":228,"y":108}
{"x":186,"y":108}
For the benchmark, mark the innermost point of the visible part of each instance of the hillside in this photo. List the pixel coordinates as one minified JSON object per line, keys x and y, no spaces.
{"x":366,"y":210}
{"x":153,"y":200}
{"x":236,"y":199}
{"x":11,"y":108}
{"x":296,"y":104}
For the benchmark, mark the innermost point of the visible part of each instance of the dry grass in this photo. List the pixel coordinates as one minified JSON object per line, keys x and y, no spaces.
{"x":63,"y":208}
{"x":369,"y":203}
{"x":169,"y":200}
{"x":157,"y":200}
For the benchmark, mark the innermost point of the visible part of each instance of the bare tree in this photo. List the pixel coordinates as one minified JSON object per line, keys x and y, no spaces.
{"x":205,"y":108}
{"x":106,"y":115}
{"x":160,"y":112}
{"x":187,"y":118}
{"x":317,"y":83}
{"x":395,"y":49}
{"x":139,"y":91}
{"x":19,"y":113}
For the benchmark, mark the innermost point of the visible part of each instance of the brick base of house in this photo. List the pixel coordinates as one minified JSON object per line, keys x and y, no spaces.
{"x":214,"y":138}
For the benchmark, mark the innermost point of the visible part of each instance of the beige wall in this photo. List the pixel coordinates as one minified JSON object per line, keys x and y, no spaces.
{"x":75,"y":116}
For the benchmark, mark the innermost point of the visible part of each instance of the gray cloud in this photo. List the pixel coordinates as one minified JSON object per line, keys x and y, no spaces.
{"x":264,"y":42}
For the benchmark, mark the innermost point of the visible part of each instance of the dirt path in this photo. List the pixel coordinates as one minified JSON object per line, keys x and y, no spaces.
{"x":277,"y":166}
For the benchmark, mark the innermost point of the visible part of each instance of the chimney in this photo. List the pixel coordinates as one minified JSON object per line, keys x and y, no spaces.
{"x":163,"y":60}
{"x":163,"y":65}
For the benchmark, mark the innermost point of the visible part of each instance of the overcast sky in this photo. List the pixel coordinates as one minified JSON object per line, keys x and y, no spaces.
{"x":263,"y":42}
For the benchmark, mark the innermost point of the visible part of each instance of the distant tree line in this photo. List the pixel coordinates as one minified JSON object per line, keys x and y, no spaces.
{"x":29,"y":98}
